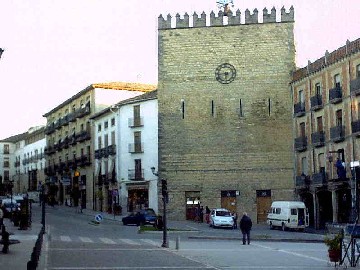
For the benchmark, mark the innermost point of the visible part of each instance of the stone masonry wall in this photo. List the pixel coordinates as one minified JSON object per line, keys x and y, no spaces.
{"x":209,"y":146}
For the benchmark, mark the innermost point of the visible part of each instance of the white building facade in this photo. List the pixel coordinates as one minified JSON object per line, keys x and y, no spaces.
{"x":126,"y":136}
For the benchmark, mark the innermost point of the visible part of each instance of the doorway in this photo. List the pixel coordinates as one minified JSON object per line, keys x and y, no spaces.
{"x":263,"y":204}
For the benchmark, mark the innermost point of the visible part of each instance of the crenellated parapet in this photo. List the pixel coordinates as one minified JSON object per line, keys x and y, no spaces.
{"x":219,"y":19}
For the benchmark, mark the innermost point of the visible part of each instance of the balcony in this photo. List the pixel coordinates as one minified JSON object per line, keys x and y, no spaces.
{"x":355,"y":87}
{"x":335,"y":95}
{"x":104,"y":152}
{"x":84,"y":160}
{"x":71,"y":117}
{"x":318,"y":139}
{"x":302,"y":180}
{"x":136,"y":122}
{"x":136,"y":148}
{"x":72,"y":139}
{"x":83,"y":111}
{"x":319,"y":178}
{"x":299,"y":109}
{"x":49,"y":150}
{"x":337,"y":134}
{"x":316,"y":102}
{"x":355,"y":128}
{"x":300,"y":144}
{"x":111,"y":149}
{"x":49,"y":129}
{"x":98,"y":154}
{"x":83,"y":136}
{"x":136,"y":175}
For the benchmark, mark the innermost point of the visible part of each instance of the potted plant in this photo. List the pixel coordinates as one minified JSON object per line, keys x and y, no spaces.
{"x":334,"y":246}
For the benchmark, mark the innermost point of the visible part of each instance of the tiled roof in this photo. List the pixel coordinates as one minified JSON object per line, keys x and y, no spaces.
{"x":126,"y":86}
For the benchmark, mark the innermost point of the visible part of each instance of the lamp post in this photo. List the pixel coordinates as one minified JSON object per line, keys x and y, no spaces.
{"x":165,"y":200}
{"x":11,"y":196}
{"x":354,"y":201}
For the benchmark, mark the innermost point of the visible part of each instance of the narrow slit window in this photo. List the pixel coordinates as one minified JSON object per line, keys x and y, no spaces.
{"x":241,"y":113}
{"x":182,"y":109}
{"x":269,"y":104}
{"x":212,"y":108}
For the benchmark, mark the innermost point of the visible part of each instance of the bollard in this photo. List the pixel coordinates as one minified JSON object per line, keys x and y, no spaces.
{"x":177,"y":243}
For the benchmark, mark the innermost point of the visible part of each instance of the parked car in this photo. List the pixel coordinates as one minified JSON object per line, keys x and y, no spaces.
{"x":141,"y":217}
{"x":221,"y":217}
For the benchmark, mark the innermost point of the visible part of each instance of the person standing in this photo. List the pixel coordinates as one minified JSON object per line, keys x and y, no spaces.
{"x":207,"y":214}
{"x":201,"y":214}
{"x":245,"y":227}
{"x":235,"y":218}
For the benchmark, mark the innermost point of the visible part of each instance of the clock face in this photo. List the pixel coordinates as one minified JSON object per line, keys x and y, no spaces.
{"x":225,"y":73}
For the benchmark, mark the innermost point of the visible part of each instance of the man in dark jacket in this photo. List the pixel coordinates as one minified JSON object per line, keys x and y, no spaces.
{"x":245,"y":227}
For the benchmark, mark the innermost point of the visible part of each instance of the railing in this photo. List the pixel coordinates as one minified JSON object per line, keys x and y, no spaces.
{"x":300,"y":143}
{"x":355,"y":86}
{"x":299,"y":109}
{"x":316,"y":102}
{"x":136,"y":122}
{"x":319,"y":178}
{"x":136,"y":175}
{"x":302,"y":180}
{"x":111,"y":149}
{"x":136,"y":147}
{"x":335,"y":95}
{"x":355,"y":127}
{"x":318,"y":139}
{"x":337,"y":133}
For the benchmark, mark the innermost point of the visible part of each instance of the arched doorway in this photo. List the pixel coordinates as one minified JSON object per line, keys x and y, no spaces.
{"x":308,"y":199}
{"x":325,"y":208}
{"x":344,"y":205}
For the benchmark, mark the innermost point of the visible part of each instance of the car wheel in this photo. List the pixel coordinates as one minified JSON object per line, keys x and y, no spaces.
{"x":283,"y":228}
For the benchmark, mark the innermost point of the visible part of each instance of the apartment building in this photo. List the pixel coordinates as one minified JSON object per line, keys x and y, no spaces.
{"x":23,"y":161}
{"x":69,"y":141}
{"x":326,"y":126}
{"x":125,"y":143}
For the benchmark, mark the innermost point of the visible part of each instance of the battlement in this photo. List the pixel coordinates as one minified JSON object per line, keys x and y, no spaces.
{"x":232,"y":19}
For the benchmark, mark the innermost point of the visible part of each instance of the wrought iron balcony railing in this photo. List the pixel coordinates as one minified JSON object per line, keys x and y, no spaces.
{"x":300,"y":143}
{"x":318,"y":139}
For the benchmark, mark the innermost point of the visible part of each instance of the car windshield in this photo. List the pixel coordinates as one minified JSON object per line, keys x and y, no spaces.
{"x":223,"y":213}
{"x":150,"y":212}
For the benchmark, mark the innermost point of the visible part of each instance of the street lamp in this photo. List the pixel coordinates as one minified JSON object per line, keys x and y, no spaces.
{"x":164,"y":193}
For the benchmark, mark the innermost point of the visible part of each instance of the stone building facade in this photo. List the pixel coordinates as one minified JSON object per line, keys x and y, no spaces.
{"x":225,"y":116}
{"x":326,"y":100}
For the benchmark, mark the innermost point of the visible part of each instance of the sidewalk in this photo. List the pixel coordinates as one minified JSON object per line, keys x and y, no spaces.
{"x":19,"y":254}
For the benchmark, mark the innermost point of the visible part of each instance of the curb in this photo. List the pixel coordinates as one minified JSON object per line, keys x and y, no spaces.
{"x":259,"y":239}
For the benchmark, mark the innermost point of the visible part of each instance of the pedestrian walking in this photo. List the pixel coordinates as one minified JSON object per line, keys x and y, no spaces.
{"x":245,"y":227}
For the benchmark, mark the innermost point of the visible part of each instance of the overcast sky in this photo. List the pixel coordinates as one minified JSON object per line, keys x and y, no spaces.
{"x":56,"y":48}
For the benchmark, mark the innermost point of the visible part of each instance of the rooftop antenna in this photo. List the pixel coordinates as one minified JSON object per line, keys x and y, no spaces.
{"x":224,"y":5}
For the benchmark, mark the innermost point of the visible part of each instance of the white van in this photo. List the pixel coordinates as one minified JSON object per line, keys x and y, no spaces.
{"x":288,"y":215}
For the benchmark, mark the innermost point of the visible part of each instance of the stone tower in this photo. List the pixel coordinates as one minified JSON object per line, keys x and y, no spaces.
{"x":225,"y":114}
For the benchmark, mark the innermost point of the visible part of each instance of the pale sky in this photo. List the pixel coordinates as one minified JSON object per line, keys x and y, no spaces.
{"x":56,"y":48}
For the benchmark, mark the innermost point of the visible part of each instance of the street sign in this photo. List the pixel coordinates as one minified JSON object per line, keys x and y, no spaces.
{"x":98,"y":218}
